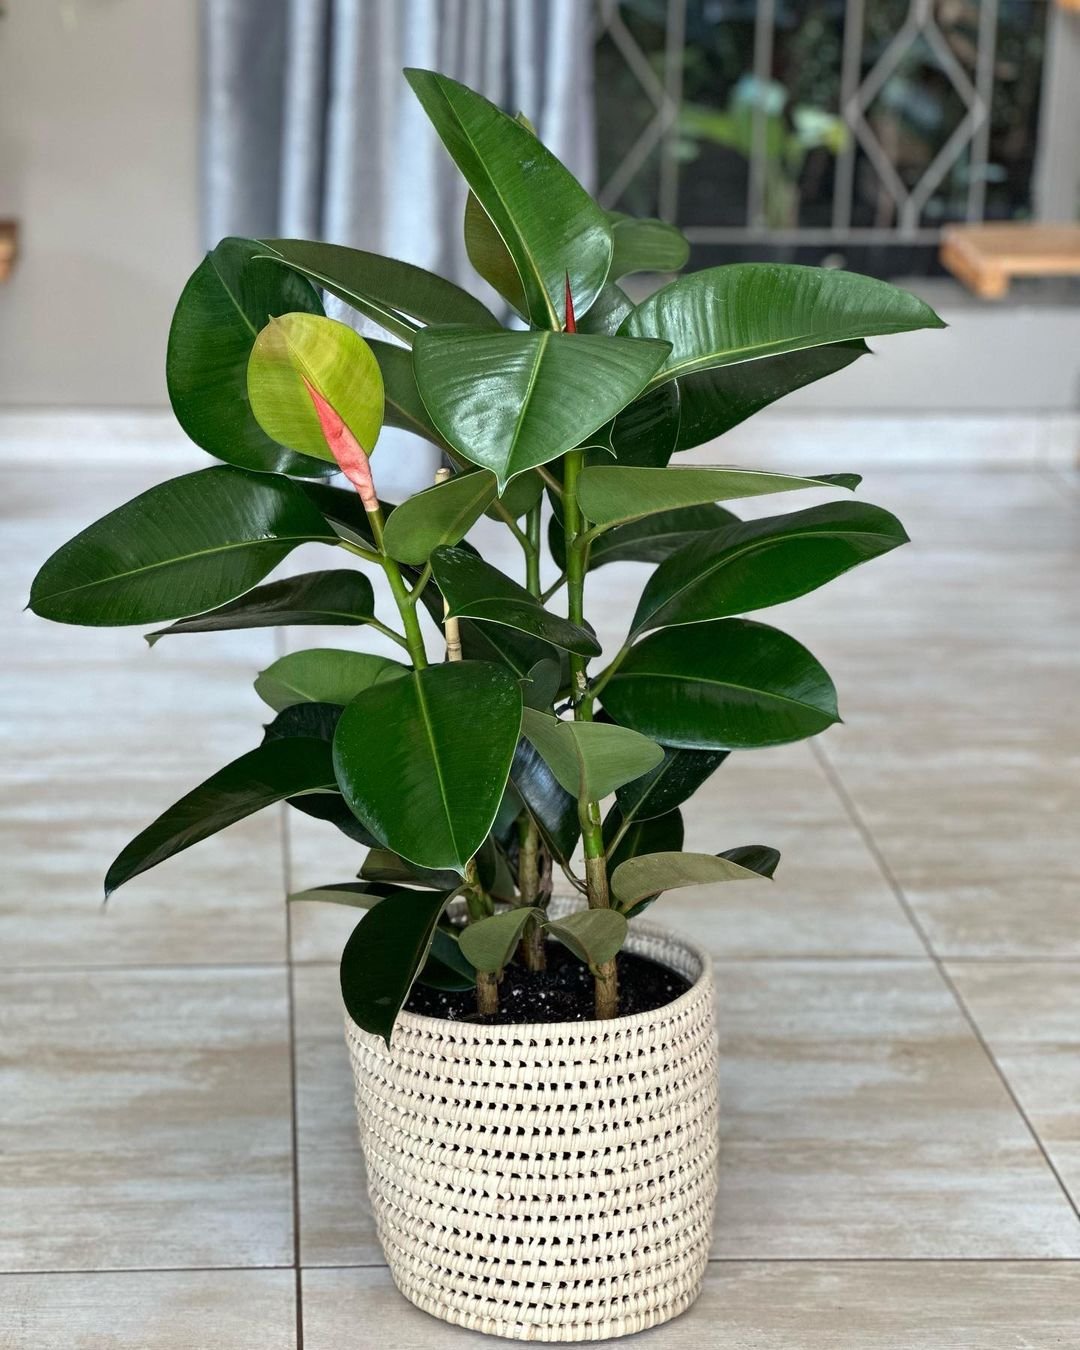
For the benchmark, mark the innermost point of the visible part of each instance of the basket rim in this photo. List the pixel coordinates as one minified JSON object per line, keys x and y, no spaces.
{"x":482,"y":1032}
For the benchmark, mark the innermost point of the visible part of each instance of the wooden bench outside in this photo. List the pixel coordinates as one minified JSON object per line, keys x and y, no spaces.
{"x":987,"y":257}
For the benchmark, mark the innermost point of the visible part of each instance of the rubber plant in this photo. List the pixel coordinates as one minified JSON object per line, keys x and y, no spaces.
{"x":481,"y":776}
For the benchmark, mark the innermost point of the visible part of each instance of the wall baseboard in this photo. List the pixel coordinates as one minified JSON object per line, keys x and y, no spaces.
{"x":825,"y":441}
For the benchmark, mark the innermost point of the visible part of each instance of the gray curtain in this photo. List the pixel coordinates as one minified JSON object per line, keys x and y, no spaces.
{"x":311,"y":131}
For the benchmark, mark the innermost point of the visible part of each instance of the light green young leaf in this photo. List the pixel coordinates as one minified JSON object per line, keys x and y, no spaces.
{"x":590,"y":759}
{"x":323,"y":675}
{"x":654,"y":873}
{"x":593,"y":935}
{"x":489,"y":943}
{"x":443,"y":514}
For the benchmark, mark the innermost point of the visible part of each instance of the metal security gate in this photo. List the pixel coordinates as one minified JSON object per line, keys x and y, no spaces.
{"x":795,"y":128}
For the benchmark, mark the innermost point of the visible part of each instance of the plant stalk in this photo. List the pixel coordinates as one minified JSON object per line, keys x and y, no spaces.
{"x":606,"y":974}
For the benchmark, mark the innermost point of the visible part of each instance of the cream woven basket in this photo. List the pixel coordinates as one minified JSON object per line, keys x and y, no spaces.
{"x":547,"y":1182}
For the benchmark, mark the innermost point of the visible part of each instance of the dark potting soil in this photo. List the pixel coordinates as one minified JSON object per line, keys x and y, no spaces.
{"x":561,"y":993}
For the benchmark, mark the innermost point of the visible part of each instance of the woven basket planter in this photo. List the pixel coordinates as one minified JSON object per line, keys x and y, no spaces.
{"x":547,"y":1182}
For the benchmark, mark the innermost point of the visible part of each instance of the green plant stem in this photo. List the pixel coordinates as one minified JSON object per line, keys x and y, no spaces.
{"x":531,"y":948}
{"x":478,"y":905}
{"x":421,"y":581}
{"x":556,"y":585}
{"x":605,"y":975}
{"x":414,"y":638}
{"x":549,"y":478}
{"x":532,"y":553}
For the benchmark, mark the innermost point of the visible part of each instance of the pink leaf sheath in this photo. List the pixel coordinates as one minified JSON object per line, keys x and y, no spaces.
{"x":571,"y":321}
{"x":345,"y":448}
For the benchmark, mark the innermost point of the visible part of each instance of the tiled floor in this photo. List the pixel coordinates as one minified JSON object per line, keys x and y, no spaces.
{"x":900,"y":1012}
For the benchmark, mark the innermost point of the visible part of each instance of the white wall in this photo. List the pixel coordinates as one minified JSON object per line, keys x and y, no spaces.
{"x":98,"y":161}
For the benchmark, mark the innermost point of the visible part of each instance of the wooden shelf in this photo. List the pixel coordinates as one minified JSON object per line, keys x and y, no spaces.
{"x":9,"y":234}
{"x":987,"y":257}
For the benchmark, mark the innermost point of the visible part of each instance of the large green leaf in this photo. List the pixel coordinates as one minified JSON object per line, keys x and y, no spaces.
{"x":646,"y":245}
{"x":757,"y":563}
{"x":384,"y":955}
{"x":384,"y":865}
{"x":673,"y":781}
{"x":423,"y":760}
{"x":593,"y":935}
{"x":650,"y":539}
{"x":608,"y":312}
{"x":611,"y":494}
{"x":550,"y":225}
{"x":489,"y":943}
{"x":398,"y":296}
{"x":490,"y":256}
{"x":183,"y":547}
{"x":442,"y":514}
{"x":473,"y":589}
{"x":553,"y":808}
{"x":273,"y":771}
{"x":729,"y":685}
{"x":323,"y":675}
{"x":724,"y":315}
{"x":404,"y":406}
{"x":335,"y":597}
{"x":714,"y":401}
{"x":301,"y":353}
{"x":228,"y":299}
{"x":590,"y":759}
{"x":510,"y":401}
{"x":659,"y":834}
{"x":654,"y":873}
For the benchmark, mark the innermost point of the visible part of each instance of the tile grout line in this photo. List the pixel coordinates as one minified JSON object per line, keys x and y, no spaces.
{"x":856,"y":818}
{"x":286,"y":872}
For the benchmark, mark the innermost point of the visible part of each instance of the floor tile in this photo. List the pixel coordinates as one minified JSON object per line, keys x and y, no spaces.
{"x":149,"y":1310}
{"x":336,"y":1225}
{"x":220,"y":901}
{"x":1029,"y":1015}
{"x":861,"y":1118}
{"x":816,"y":1305}
{"x":146,"y":1119}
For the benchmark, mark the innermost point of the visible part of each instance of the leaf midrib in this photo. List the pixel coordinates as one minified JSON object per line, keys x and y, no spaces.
{"x":719,"y":684}
{"x":429,"y":730}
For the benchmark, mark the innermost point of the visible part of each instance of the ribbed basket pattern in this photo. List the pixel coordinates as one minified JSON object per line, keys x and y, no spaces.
{"x":547,"y":1182}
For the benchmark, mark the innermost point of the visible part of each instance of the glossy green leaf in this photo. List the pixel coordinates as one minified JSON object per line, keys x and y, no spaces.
{"x":550,"y":225}
{"x":490,"y":257}
{"x":519,"y":496}
{"x":540,"y":688}
{"x":304,"y":719}
{"x":759,"y":858}
{"x":423,"y":760}
{"x":590,"y":759}
{"x":228,"y":300}
{"x":714,"y":401}
{"x":612,"y":494}
{"x":509,"y":401}
{"x":275,"y":770}
{"x":757,"y":563}
{"x":334,"y":597}
{"x":384,"y":955}
{"x":650,"y":539}
{"x":744,"y":311}
{"x":659,"y":834}
{"x":404,"y":406}
{"x":384,"y":865}
{"x":488,"y":944}
{"x":593,"y":935}
{"x":323,"y":675}
{"x":442,"y":514}
{"x":517,"y":651}
{"x":300,"y":352}
{"x":608,"y":312}
{"x":729,"y":685}
{"x":553,"y":808}
{"x":646,"y":245}
{"x":473,"y":589}
{"x":673,"y":781}
{"x":654,"y":873}
{"x":446,"y":966}
{"x":398,"y":296}
{"x":352,"y":894}
{"x":181,"y":548}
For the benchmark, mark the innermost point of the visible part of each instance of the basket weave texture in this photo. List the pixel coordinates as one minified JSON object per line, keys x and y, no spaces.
{"x":547,"y":1182}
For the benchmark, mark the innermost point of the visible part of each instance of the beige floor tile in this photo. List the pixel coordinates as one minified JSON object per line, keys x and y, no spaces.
{"x":816,"y":1305}
{"x":146,"y":1120}
{"x":220,"y":901}
{"x":336,"y":1226}
{"x":1029,"y":1015}
{"x":861,"y":1118}
{"x":149,"y":1310}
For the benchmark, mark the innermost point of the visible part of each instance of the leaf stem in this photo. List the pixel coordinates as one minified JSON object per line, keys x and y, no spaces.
{"x":550,"y":479}
{"x":613,"y":665}
{"x":545,"y":596}
{"x":414,"y":638}
{"x":421,"y":582}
